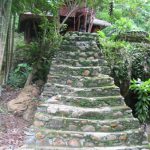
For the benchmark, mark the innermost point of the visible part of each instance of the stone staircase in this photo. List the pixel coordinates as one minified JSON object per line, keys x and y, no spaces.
{"x":82,"y":108}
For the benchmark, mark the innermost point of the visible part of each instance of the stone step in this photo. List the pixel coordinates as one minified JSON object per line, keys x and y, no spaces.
{"x":84,"y":125}
{"x":80,"y":47}
{"x":79,"y":71}
{"x":87,"y":44}
{"x":94,"y":102}
{"x":79,"y":55}
{"x":81,"y":107}
{"x":80,"y":63}
{"x":87,"y":139}
{"x":98,"y":91}
{"x":60,"y":89}
{"x":80,"y":81}
{"x":86,"y":113}
{"x":84,"y":148}
{"x":80,"y":37}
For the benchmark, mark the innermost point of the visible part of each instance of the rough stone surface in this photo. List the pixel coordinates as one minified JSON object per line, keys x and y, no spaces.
{"x":59,"y":142}
{"x":88,"y":128}
{"x":74,"y":143}
{"x":83,"y":109}
{"x":24,"y":105}
{"x":105,"y":128}
{"x":38,"y":123}
{"x":72,"y":127}
{"x":86,"y":73}
{"x":39,"y":135}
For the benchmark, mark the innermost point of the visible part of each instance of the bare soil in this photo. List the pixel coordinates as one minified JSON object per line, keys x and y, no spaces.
{"x":11,"y":127}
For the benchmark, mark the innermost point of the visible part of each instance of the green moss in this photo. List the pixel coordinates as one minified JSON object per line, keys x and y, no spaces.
{"x":99,"y":92}
{"x":93,"y":116}
{"x":97,"y":82}
{"x":147,"y":146}
{"x":85,"y":103}
{"x":109,"y":143}
{"x":85,"y":63}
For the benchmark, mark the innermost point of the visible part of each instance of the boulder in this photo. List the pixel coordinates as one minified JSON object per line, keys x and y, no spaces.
{"x":25,"y":104}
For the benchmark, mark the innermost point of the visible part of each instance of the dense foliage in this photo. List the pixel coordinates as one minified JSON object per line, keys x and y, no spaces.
{"x":39,"y":52}
{"x":136,"y":11}
{"x":19,"y":75}
{"x":128,"y":60}
{"x":142,"y":89}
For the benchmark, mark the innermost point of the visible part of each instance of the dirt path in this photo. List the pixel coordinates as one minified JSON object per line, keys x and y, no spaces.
{"x":11,"y":127}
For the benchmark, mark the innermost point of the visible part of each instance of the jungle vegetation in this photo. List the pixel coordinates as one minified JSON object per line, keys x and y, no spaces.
{"x":129,"y":62}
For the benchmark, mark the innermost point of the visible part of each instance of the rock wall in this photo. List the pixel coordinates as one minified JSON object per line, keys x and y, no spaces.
{"x":134,"y":36}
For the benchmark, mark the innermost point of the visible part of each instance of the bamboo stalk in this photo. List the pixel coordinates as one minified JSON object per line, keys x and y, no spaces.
{"x":5,"y":15}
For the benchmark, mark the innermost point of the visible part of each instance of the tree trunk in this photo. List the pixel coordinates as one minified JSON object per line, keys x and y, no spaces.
{"x":69,"y":14}
{"x":4,"y":17}
{"x":12,"y":44}
{"x":8,"y":49}
{"x":30,"y":76}
{"x":91,"y":20}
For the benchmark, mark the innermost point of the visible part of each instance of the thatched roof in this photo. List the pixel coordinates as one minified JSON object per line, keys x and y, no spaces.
{"x":99,"y":22}
{"x":29,"y":15}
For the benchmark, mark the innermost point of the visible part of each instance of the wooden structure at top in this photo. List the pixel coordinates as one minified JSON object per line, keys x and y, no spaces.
{"x":79,"y":18}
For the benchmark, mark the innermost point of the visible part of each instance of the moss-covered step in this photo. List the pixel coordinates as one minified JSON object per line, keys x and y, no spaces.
{"x":79,"y":55}
{"x":86,"y":113}
{"x":84,"y":125}
{"x":87,"y":34}
{"x":89,"y":43}
{"x":80,"y":47}
{"x":87,"y":139}
{"x":80,"y":37}
{"x":81,"y":62}
{"x":94,"y":102}
{"x":25,"y":147}
{"x":61,"y":89}
{"x":97,"y":91}
{"x":79,"y":71}
{"x":80,"y":81}
{"x":134,"y":36}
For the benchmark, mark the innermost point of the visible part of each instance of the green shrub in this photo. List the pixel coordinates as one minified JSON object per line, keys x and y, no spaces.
{"x":121,"y":25}
{"x":17,"y":78}
{"x":117,"y":55}
{"x":142,"y":89}
{"x":127,"y":60}
{"x":140,"y":54}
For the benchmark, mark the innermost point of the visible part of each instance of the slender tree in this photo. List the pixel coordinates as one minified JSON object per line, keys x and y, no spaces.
{"x":5,"y":12}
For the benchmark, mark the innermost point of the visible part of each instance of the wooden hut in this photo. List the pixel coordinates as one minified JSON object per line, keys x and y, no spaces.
{"x":78,"y":18}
